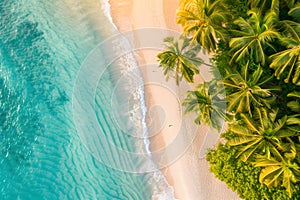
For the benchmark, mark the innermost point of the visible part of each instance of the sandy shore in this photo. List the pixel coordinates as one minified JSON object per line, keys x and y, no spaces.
{"x":186,"y":171}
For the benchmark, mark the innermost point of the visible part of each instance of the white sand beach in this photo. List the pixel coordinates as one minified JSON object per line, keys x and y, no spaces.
{"x":189,"y":174}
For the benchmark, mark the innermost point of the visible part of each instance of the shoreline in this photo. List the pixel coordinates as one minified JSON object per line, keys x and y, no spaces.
{"x":197,"y":182}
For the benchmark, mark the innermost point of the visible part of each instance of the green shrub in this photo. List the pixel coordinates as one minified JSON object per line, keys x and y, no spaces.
{"x":242,"y":177}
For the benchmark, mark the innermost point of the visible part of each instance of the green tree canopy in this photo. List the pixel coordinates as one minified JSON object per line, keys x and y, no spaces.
{"x":179,"y":59}
{"x":286,"y":63}
{"x":294,"y":105}
{"x":204,"y":20}
{"x":283,"y":171}
{"x":245,"y":90}
{"x":208,"y":104}
{"x":263,"y":134}
{"x":254,"y":35}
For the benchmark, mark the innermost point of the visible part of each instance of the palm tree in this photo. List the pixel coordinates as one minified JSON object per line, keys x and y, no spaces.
{"x":204,"y":20}
{"x":295,"y":104}
{"x":244,"y":91}
{"x":286,"y":63}
{"x":290,"y":3}
{"x":263,"y":134}
{"x":207,"y":102}
{"x":180,"y":59}
{"x":253,"y":36}
{"x":284,"y":171}
{"x":294,"y":6}
{"x":265,"y":5}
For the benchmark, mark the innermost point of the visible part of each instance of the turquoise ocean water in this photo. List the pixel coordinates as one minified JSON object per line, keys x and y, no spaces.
{"x":43,"y":45}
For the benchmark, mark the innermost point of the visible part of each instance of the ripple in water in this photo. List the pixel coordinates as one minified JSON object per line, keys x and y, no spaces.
{"x":42,"y":46}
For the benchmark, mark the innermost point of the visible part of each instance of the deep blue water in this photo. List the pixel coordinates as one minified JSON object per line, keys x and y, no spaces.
{"x":43,"y":45}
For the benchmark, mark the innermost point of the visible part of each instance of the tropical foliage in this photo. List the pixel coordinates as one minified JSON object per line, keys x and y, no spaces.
{"x":180,"y":59}
{"x":243,"y":177}
{"x":264,"y":5}
{"x":253,"y":36}
{"x":284,"y":171}
{"x":288,"y":60}
{"x":206,"y":102}
{"x":245,"y":90}
{"x":294,"y":104}
{"x":257,"y":52}
{"x":204,"y":20}
{"x":263,"y":134}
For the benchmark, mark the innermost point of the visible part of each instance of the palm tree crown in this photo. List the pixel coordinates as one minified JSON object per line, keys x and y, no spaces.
{"x":284,"y":171}
{"x":180,"y":59}
{"x":244,"y":91}
{"x":286,"y":63}
{"x":204,"y":19}
{"x":253,"y":36}
{"x":264,"y":5}
{"x":206,"y":101}
{"x":294,"y":105}
{"x":263,"y":134}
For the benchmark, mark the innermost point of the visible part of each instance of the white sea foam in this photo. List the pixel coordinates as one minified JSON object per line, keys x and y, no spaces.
{"x":130,"y":72}
{"x":129,"y":68}
{"x":105,"y":6}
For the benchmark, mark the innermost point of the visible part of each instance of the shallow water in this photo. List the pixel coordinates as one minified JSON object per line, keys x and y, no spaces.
{"x":42,"y":154}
